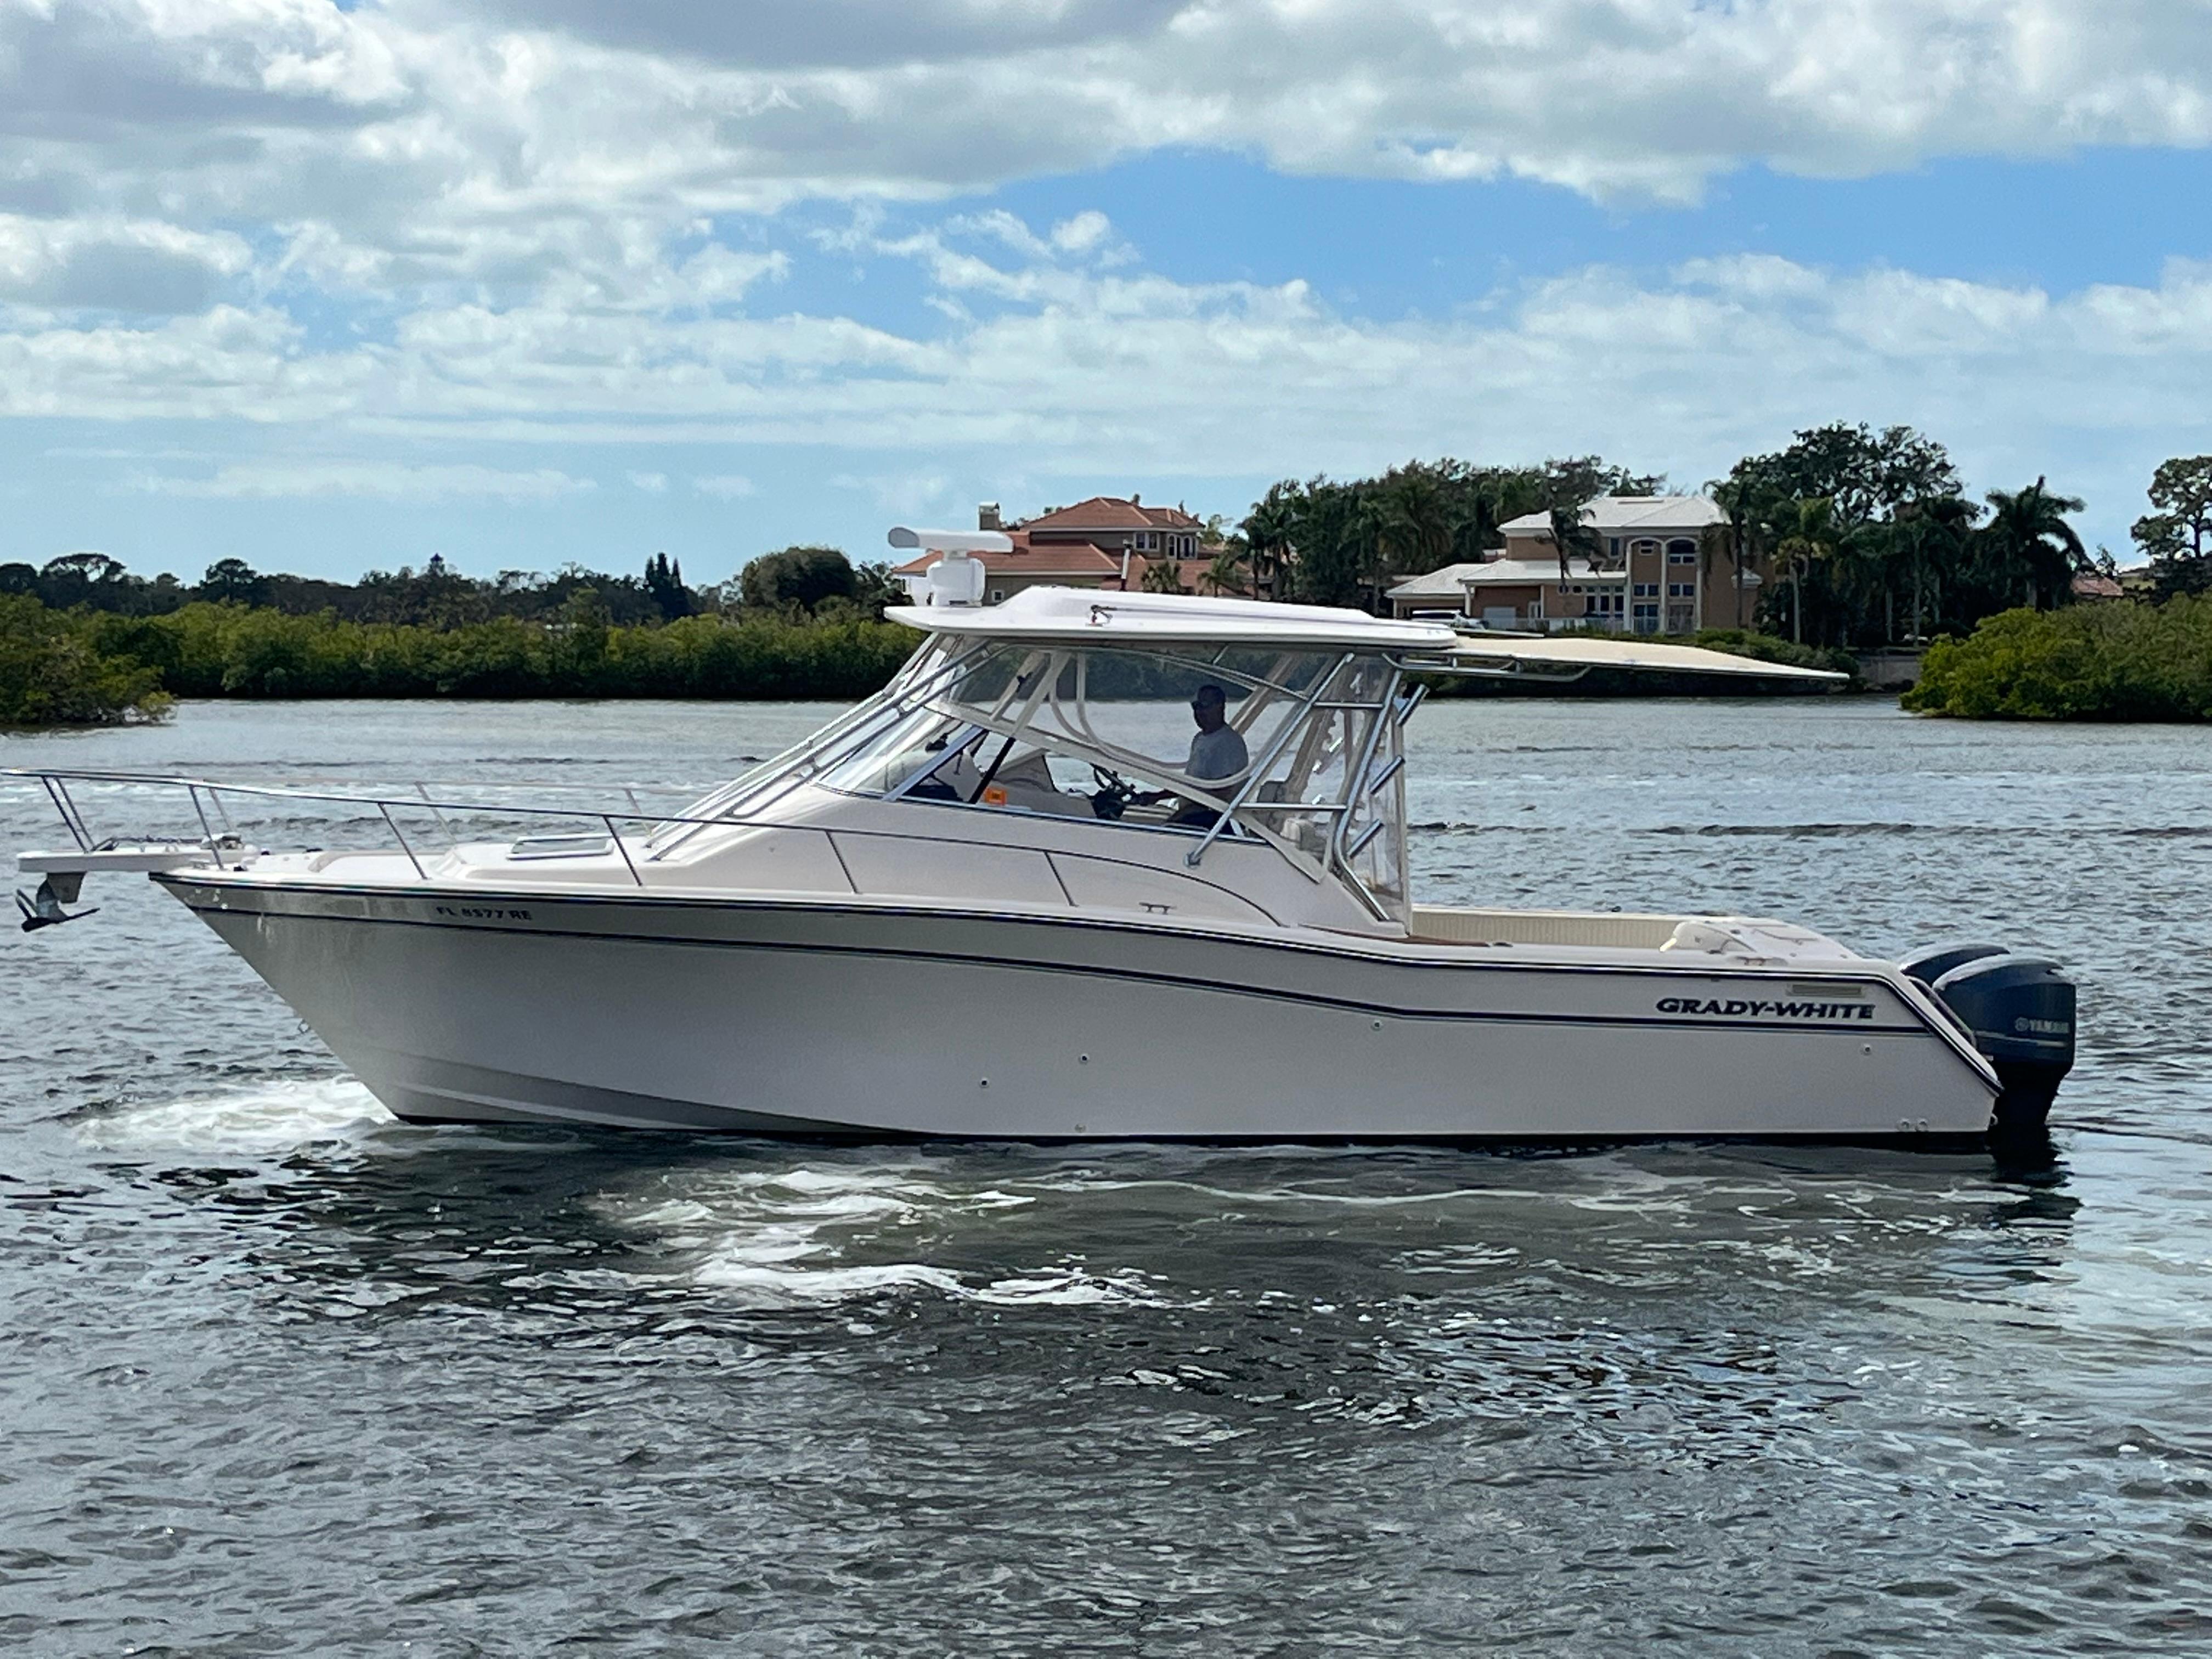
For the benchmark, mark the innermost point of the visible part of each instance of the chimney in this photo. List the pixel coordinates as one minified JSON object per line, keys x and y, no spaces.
{"x":1135,"y":500}
{"x":987,"y":517}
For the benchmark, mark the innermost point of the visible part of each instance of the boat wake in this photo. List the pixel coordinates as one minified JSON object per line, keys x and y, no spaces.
{"x":266,"y":1117}
{"x":789,"y":1239}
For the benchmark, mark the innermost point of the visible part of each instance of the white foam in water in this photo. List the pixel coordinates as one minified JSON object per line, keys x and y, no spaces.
{"x":782,"y":1238}
{"x":768,"y":1286}
{"x":270,"y":1117}
{"x":1067,"y":1288}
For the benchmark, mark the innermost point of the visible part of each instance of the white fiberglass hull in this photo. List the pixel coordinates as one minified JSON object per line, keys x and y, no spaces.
{"x":800,"y":1017}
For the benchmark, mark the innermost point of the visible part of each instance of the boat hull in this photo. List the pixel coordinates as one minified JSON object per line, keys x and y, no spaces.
{"x":788,"y":1017}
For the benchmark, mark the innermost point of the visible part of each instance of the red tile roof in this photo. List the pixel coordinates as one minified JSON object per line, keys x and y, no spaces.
{"x":1112,"y":513}
{"x":1077,"y":559}
{"x":1053,"y":559}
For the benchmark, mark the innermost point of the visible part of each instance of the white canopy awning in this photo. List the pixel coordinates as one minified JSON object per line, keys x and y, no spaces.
{"x":1581,"y":650}
{"x":1106,"y":619}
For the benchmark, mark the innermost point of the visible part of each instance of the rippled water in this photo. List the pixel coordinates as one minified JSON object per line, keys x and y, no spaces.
{"x":279,"y":1374}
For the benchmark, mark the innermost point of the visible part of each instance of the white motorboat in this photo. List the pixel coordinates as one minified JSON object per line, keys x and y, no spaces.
{"x":1011,"y":896}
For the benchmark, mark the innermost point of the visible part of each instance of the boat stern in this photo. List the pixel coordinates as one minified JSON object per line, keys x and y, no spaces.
{"x":2019,"y":1011}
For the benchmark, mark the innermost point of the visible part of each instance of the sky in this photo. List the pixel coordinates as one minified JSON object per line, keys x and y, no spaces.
{"x":523,"y":283}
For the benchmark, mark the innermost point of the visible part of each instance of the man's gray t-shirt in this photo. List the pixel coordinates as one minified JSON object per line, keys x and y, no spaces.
{"x":1217,"y":754}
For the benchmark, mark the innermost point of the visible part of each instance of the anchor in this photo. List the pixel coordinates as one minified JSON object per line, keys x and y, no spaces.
{"x":45,"y":911}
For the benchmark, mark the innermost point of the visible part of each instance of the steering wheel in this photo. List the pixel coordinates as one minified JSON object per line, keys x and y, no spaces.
{"x":1113,"y":794}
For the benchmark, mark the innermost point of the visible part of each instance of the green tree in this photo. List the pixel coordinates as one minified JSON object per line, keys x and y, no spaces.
{"x":1267,"y":530}
{"x":874,"y":588}
{"x":1807,"y":543}
{"x":585,"y":628}
{"x":1934,"y":539}
{"x":2177,"y":538}
{"x":53,"y":672}
{"x":1226,"y":574}
{"x":1872,"y":481}
{"x":1162,"y":576}
{"x":1419,"y":519}
{"x":231,"y":581}
{"x":1864,"y":474}
{"x":799,"y":576}
{"x":1572,"y":537}
{"x":88,"y":579}
{"x":665,"y":582}
{"x":2029,"y":550}
{"x":1752,"y":500}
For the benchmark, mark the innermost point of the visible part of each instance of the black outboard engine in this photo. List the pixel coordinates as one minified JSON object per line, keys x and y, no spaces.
{"x":2021,"y":1011}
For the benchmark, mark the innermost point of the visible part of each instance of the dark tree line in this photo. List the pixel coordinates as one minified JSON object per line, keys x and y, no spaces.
{"x":1324,"y":542}
{"x":796,"y":582}
{"x":1873,"y":540}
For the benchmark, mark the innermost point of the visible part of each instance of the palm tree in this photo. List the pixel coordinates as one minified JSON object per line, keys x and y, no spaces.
{"x":2028,"y":540}
{"x":1812,"y":538}
{"x":1267,"y":531}
{"x":1933,"y":536}
{"x":1418,"y":521}
{"x":1225,"y":576}
{"x":1372,"y":546}
{"x":1571,"y":536}
{"x":1162,"y":576}
{"x":1750,"y":500}
{"x":1713,"y":540}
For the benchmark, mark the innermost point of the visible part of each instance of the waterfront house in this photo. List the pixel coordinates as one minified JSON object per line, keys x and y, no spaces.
{"x":1107,"y":542}
{"x":1653,"y":568}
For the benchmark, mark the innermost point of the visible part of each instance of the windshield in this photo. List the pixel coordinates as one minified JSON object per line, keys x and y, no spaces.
{"x":1297,"y":748}
{"x":1265,"y":744}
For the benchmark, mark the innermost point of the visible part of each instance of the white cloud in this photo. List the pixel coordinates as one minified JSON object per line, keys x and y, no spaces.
{"x":1080,"y":234}
{"x":540,"y":224}
{"x":490,"y":142}
{"x":1683,"y":371}
{"x":727,"y":486}
{"x":379,"y":480}
{"x":107,"y":264}
{"x":653,"y":483}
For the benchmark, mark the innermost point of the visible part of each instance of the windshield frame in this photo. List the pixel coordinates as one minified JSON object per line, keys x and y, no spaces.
{"x":1340,"y":721}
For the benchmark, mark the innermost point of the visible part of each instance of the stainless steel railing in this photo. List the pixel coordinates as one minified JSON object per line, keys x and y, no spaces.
{"x":208,"y":801}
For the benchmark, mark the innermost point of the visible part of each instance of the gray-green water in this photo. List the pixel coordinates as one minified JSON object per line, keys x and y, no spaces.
{"x":278,"y":1375}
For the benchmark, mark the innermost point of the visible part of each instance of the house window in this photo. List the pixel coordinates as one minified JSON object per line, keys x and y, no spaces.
{"x":1681,"y":553}
{"x":1612,"y":546}
{"x":1645,"y":550}
{"x":998,"y":595}
{"x":1147,"y":542}
{"x":1647,"y":590}
{"x":1680,"y":618}
{"x":1681,"y":590}
{"x":1647,"y":619}
{"x":1536,"y":609}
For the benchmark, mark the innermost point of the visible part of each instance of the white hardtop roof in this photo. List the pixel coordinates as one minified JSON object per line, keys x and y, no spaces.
{"x":1089,"y":616}
{"x":1582,"y":651}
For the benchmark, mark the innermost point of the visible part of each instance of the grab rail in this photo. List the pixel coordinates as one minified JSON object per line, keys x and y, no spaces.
{"x":202,"y":793}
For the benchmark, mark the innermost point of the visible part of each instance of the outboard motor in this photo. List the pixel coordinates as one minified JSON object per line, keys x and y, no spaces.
{"x":2021,"y":1011}
{"x":1933,"y":963}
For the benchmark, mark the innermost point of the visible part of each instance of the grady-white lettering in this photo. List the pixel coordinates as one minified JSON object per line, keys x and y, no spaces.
{"x":1763,"y":1010}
